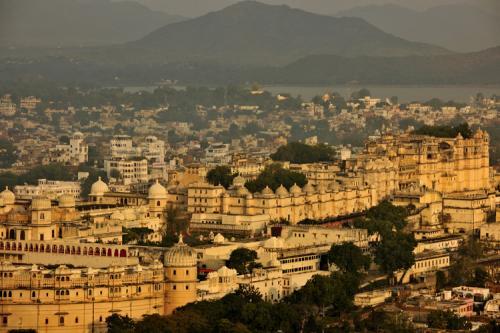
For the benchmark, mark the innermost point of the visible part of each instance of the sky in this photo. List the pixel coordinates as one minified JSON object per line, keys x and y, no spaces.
{"x":192,"y":8}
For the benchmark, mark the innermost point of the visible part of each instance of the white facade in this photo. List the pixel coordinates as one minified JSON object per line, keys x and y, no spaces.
{"x":131,"y":171}
{"x":52,"y":189}
{"x":74,"y":153}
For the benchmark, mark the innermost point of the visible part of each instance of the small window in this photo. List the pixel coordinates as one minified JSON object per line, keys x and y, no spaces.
{"x":46,"y":321}
{"x":5,"y":320}
{"x":174,"y":287}
{"x":61,"y":321}
{"x":76,"y":320}
{"x":100,"y":318}
{"x":175,"y":272}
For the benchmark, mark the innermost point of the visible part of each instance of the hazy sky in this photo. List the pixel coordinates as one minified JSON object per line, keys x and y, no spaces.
{"x":193,"y":8}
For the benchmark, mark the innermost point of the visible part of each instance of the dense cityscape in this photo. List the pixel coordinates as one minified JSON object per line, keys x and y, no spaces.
{"x":224,"y":166}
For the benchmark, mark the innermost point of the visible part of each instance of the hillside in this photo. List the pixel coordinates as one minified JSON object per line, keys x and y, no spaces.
{"x":458,"y":27}
{"x":471,"y":68}
{"x":250,"y":32}
{"x":63,"y":23}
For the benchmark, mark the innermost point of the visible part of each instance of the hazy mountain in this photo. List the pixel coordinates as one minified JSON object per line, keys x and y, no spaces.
{"x":255,"y":33}
{"x":464,"y":68}
{"x":193,"y":8}
{"x":471,"y":68}
{"x":458,"y":27}
{"x":76,"y":22}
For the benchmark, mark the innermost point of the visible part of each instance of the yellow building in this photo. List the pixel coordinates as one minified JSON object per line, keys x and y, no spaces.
{"x":68,"y":299}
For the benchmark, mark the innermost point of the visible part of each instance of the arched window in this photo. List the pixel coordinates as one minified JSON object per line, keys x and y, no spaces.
{"x":42,"y":248}
{"x":110,"y":252}
{"x":22,"y":236}
{"x":116,"y":253}
{"x":103,"y":252}
{"x":33,"y":294}
{"x":76,"y":320}
{"x":123,"y":253}
{"x":97,"y":251}
{"x":158,"y":203}
{"x":84,"y":251}
{"x":78,"y":250}
{"x":61,"y":320}
{"x":12,"y":234}
{"x":91,"y":251}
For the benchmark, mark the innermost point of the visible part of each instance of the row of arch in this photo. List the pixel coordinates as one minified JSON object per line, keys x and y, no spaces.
{"x":61,"y":249}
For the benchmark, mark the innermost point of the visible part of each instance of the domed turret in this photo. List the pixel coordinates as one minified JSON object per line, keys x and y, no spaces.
{"x":267,"y":191}
{"x":242,"y":191}
{"x":157,"y":191}
{"x":238,"y":181}
{"x":180,"y":273}
{"x":66,"y":201}
{"x":219,"y":239}
{"x":41,"y":203}
{"x":308,"y":188}
{"x":180,"y":255}
{"x":281,"y":191}
{"x":99,"y":188}
{"x":295,"y":190}
{"x":9,"y":198}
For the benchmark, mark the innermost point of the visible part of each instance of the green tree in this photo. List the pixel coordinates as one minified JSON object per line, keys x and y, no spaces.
{"x":348,"y":257}
{"x":395,"y":252}
{"x":120,"y":324}
{"x":275,"y":175}
{"x":447,"y":320}
{"x":296,"y":152}
{"x":243,"y":260}
{"x":221,"y":175}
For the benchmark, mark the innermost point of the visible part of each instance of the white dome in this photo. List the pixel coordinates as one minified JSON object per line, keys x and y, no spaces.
{"x":219,"y":239}
{"x":99,"y":188}
{"x":66,"y":201}
{"x":41,"y":203}
{"x":9,"y":198}
{"x":157,"y":191}
{"x":180,"y":255}
{"x":281,"y":191}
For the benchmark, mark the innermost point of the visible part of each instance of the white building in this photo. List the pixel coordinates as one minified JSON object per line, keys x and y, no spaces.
{"x":122,"y":147}
{"x":131,"y":171}
{"x":51,"y":189}
{"x":217,"y":153}
{"x":74,"y":153}
{"x":153,"y":149}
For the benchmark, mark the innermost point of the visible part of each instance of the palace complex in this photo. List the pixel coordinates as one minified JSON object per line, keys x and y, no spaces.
{"x":64,"y":267}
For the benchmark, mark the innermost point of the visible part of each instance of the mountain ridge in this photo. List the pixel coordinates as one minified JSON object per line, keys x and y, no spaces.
{"x":67,"y":23}
{"x":253,"y":32}
{"x":461,"y":27}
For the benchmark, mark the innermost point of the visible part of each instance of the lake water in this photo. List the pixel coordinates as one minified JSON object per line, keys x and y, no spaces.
{"x":404,"y":93}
